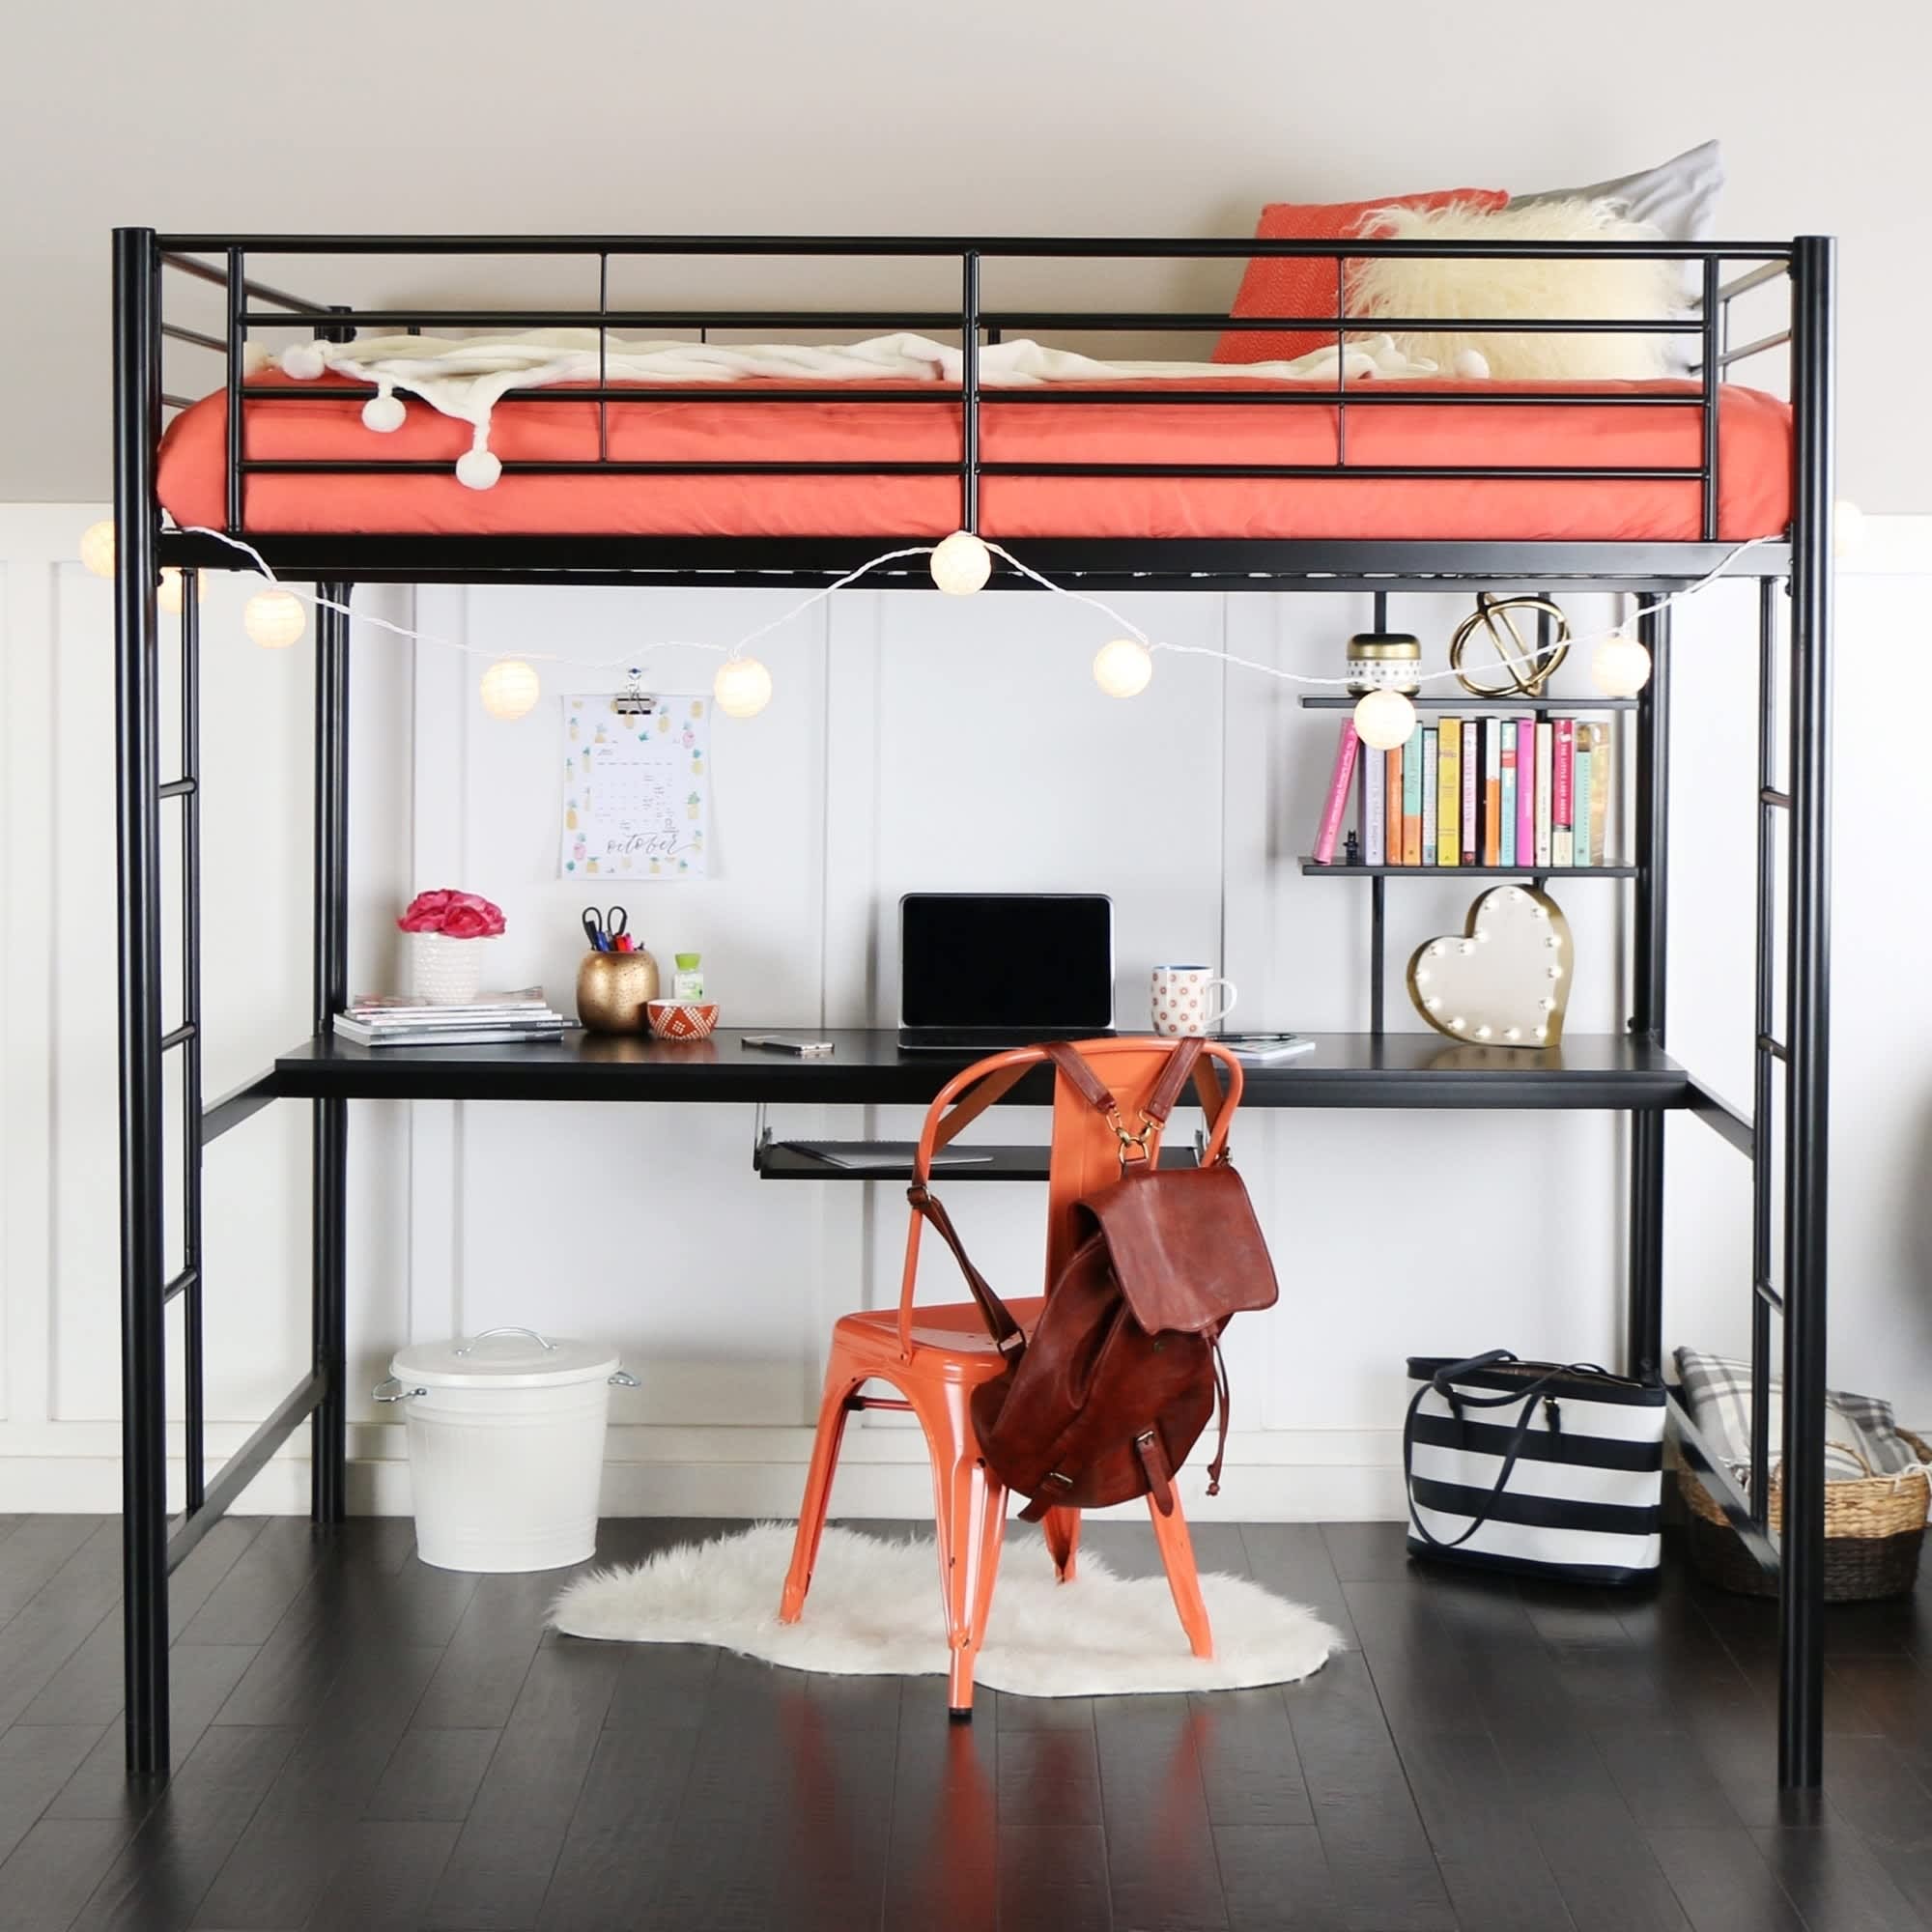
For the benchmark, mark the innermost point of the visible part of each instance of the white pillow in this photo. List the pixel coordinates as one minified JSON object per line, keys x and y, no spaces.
{"x":1610,"y":288}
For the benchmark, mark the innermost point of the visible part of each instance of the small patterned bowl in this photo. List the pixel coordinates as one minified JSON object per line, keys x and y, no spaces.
{"x":682,"y":1019}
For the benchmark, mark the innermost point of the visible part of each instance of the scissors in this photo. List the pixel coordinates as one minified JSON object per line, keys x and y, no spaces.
{"x":603,"y":929}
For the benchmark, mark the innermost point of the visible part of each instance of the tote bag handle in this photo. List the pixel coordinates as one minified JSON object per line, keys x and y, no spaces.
{"x":1438,"y":1383}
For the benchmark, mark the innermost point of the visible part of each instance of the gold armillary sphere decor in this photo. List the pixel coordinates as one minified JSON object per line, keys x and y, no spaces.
{"x":1520,"y":669}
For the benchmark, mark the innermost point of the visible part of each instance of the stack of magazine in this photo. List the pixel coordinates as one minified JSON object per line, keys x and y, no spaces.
{"x":384,"y":1019}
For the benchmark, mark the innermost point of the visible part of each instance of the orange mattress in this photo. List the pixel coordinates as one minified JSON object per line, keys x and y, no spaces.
{"x":1754,"y":468}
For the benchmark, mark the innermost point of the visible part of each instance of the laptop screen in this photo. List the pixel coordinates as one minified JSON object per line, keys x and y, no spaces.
{"x":1041,"y":961}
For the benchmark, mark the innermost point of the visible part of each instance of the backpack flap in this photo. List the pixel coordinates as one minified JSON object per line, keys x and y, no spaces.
{"x":1186,"y":1246}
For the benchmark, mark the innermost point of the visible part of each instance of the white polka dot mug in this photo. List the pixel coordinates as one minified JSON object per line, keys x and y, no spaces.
{"x":1184,"y":999}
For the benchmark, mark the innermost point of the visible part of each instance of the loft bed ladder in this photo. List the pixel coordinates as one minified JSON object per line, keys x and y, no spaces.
{"x":154,"y":1547}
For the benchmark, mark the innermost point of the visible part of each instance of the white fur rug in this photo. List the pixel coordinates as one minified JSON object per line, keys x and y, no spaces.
{"x":875,"y":1611}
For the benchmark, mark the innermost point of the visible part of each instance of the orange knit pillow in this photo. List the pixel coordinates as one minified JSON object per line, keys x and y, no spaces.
{"x":1304,"y":285}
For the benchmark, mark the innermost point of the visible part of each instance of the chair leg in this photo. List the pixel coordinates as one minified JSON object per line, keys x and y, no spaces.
{"x":992,"y":1539}
{"x":1063,"y":1539}
{"x":833,"y":1410}
{"x":969,"y":1519}
{"x":1177,"y":1555}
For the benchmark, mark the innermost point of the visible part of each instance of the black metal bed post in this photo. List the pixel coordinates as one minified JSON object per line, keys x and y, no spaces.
{"x":1807,"y":1042}
{"x":329,"y":1257}
{"x":1765,"y":1049}
{"x":1378,"y":885}
{"x":1643,"y":1338}
{"x":193,"y":1276}
{"x":969,"y":392}
{"x":144,"y":1467}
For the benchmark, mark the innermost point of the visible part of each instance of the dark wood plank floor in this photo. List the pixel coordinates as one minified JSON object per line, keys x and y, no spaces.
{"x":366,"y":1743}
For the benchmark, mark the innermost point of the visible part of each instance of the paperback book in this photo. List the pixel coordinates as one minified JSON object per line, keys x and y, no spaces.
{"x":1527,"y":793}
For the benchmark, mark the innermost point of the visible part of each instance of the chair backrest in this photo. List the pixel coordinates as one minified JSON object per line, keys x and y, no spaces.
{"x":1086,"y":1151}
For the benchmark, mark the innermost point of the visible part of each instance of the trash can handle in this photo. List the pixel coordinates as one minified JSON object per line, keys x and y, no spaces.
{"x":549,"y":1347}
{"x":401,"y":1392}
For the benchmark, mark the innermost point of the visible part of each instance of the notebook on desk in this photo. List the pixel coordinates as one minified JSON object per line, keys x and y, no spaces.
{"x":981,"y":971}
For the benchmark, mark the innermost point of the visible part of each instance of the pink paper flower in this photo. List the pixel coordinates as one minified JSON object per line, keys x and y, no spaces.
{"x":454,"y":913}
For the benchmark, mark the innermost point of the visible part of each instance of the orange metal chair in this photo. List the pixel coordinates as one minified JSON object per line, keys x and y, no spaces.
{"x":936,"y":1355}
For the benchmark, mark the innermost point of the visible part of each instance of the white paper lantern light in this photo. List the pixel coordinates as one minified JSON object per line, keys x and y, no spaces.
{"x":962,"y":564}
{"x":743,"y":687}
{"x":1848,"y":529}
{"x":96,"y":548}
{"x":168,"y":593}
{"x":1384,"y":720}
{"x":274,"y":619}
{"x":1620,"y":667}
{"x":510,"y":688}
{"x":1123,"y":668}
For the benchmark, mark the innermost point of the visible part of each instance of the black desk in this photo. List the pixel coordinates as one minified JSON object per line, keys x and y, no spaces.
{"x":867,"y":1068}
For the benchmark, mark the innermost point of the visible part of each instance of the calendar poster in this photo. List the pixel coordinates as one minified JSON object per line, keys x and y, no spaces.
{"x":637,"y":787}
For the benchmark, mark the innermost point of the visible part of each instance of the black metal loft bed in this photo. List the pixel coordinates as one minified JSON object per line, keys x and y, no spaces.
{"x":1631,"y":1072}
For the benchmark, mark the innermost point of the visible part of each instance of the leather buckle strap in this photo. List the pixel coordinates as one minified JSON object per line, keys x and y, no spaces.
{"x":1152,"y":1454}
{"x":1135,"y":1151}
{"x":1183,"y":1063}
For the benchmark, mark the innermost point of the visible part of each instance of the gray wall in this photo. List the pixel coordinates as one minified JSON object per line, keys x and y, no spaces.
{"x":1133,"y":116}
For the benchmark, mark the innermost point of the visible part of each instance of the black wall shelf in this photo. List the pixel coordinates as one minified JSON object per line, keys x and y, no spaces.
{"x":1562,"y":707}
{"x":1315,"y":869}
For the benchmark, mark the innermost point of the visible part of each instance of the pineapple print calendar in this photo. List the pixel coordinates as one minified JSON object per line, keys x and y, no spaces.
{"x":637,"y":787}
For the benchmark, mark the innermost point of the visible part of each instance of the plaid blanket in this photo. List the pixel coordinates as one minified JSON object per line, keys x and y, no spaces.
{"x":1860,"y":1436}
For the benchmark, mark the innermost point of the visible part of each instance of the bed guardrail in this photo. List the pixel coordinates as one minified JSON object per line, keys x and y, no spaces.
{"x":252,"y":305}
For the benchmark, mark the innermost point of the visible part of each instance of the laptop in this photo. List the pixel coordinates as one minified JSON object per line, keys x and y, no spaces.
{"x":981,"y":971}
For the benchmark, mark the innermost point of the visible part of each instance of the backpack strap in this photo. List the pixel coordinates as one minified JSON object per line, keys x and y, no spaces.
{"x":1005,"y":1330}
{"x":1180,"y":1067}
{"x":1221,"y":1441}
{"x":1081,"y":1077}
{"x":1183,"y":1062}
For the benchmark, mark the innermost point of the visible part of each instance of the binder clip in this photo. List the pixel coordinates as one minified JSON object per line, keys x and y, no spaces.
{"x":634,"y":700}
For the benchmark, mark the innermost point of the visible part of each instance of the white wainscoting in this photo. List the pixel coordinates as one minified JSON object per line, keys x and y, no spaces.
{"x":914,"y":741}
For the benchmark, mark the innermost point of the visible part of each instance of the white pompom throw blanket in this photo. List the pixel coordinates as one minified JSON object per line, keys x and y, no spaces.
{"x":466,"y":377}
{"x":875,"y":1611}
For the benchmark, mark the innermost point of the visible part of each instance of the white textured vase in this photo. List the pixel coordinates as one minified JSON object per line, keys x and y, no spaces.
{"x":443,"y":970}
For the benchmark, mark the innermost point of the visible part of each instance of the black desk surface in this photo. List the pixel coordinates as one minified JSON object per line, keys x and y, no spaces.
{"x":1401,"y":1069}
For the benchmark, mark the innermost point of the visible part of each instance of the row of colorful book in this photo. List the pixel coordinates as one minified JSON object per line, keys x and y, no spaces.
{"x":1529,"y":793}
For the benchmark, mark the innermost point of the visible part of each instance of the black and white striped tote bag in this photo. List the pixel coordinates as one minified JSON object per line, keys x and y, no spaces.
{"x":1540,"y":1467}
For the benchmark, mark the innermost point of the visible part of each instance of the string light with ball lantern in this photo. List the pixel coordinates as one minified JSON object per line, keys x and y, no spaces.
{"x":510,"y":688}
{"x":274,"y":619}
{"x":743,"y":687}
{"x":1619,"y":666}
{"x":96,"y":548}
{"x":1384,"y":720}
{"x":1123,"y":668}
{"x":960,"y":564}
{"x":168,"y":593}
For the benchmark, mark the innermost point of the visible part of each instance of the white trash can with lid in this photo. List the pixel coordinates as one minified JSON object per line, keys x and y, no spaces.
{"x":506,"y":1446}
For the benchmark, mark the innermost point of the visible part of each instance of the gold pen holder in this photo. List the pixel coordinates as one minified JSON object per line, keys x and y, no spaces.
{"x":612,"y":989}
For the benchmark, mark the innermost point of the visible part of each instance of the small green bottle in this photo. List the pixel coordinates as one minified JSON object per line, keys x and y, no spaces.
{"x":687,"y":983}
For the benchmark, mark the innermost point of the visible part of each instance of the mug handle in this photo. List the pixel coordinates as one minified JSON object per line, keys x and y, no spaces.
{"x":1232,"y":993}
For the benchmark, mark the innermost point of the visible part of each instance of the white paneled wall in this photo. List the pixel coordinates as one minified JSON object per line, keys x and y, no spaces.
{"x":914,"y":741}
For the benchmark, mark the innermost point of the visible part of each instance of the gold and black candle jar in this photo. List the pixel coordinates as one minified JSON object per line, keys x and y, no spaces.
{"x":1384,"y":661}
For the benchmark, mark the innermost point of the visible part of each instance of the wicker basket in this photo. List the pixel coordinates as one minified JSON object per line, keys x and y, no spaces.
{"x":1873,"y":1528}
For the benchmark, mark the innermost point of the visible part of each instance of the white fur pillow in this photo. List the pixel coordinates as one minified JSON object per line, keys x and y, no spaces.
{"x":1611,"y":288}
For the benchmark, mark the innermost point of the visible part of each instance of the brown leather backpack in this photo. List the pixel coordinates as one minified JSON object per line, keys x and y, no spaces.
{"x":1103,"y":1400}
